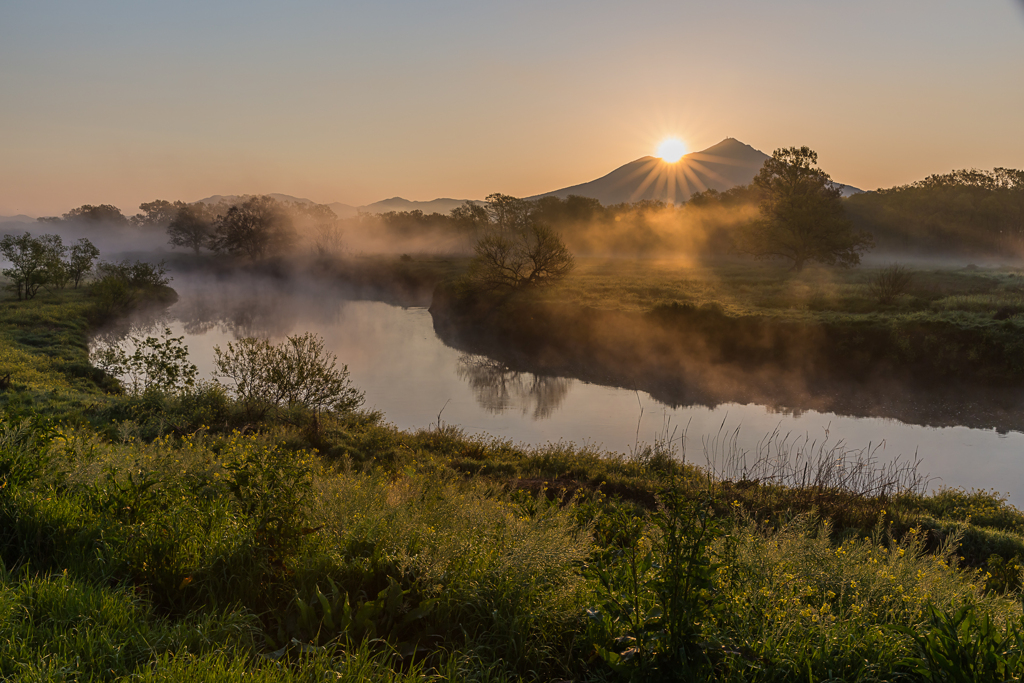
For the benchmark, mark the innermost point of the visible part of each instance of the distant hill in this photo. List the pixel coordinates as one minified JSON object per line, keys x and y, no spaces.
{"x":719,"y":167}
{"x":441,"y":205}
{"x":20,"y":218}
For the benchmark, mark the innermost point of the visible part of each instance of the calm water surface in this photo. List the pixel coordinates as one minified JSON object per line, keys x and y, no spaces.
{"x":407,"y":373}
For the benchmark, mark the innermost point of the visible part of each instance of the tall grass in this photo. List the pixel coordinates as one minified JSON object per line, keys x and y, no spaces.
{"x":800,"y":462}
{"x":502,"y":574}
{"x":812,"y":607}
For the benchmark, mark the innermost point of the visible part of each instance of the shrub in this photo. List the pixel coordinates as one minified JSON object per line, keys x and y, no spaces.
{"x":138,"y":274}
{"x":295,"y":373}
{"x":890,"y":283}
{"x":155,"y":364}
{"x":121,"y":285}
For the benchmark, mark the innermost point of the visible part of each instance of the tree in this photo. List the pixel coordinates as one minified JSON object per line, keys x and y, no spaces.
{"x":157,"y":213}
{"x":257,"y":226}
{"x":517,"y":250}
{"x":79,"y":264}
{"x":103,"y":213}
{"x":802,"y":216}
{"x":469,"y":217}
{"x":507,"y":213}
{"x":323,"y":224}
{"x":191,"y":227}
{"x":56,"y":267}
{"x":34,"y":262}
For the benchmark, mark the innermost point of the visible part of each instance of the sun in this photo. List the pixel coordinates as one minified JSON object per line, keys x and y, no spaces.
{"x":671,"y":150}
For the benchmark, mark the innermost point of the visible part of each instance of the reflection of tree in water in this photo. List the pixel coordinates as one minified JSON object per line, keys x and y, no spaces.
{"x":264,"y":314}
{"x":146,"y":323}
{"x":197,"y":315}
{"x":499,"y":388}
{"x":241,"y":307}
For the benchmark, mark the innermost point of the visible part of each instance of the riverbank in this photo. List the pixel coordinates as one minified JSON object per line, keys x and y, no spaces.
{"x":176,"y":538}
{"x":661,"y":327}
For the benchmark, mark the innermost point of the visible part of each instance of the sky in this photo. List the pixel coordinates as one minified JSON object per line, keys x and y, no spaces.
{"x":125,"y":102}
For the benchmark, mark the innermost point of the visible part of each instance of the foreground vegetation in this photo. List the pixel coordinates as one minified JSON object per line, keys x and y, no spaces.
{"x":168,"y":535}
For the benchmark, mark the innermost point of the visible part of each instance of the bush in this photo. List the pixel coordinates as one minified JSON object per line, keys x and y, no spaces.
{"x":121,"y":285}
{"x":138,"y":274}
{"x":295,"y":373}
{"x":890,"y":283}
{"x":155,"y":364}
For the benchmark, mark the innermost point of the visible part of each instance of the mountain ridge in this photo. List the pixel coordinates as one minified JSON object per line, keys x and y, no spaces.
{"x":722,"y":166}
{"x":439,"y":205}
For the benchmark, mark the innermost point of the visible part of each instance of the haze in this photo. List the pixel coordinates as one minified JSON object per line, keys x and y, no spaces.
{"x":124,"y":102}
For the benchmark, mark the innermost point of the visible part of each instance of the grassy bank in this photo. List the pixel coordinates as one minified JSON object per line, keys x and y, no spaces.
{"x":633,"y":320}
{"x":170,"y":537}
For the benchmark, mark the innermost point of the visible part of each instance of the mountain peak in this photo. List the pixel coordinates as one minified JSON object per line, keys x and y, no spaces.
{"x":720,"y":167}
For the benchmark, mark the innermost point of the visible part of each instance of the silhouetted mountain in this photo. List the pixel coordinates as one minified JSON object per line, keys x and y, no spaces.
{"x":719,"y":167}
{"x":20,"y":218}
{"x":443,"y":205}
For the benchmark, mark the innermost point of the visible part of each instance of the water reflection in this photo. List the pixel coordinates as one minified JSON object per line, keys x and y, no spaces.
{"x":499,"y":388}
{"x":410,"y":368}
{"x":239,"y":307}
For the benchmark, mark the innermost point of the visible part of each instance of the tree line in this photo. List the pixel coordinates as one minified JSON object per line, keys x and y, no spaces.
{"x":792,"y":211}
{"x":966,"y":211}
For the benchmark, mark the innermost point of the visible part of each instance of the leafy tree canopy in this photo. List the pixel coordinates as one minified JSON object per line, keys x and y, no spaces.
{"x":802,"y":217}
{"x":158,"y":213}
{"x":254,"y":228}
{"x":103,"y":213}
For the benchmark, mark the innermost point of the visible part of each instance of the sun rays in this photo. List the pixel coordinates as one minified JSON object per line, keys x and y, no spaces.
{"x":676,"y":180}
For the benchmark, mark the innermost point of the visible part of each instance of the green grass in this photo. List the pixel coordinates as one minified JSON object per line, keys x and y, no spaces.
{"x":743,"y":287}
{"x":43,"y":346}
{"x":165,"y":538}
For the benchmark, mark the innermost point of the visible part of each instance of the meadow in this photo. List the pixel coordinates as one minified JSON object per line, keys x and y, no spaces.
{"x":169,"y":535}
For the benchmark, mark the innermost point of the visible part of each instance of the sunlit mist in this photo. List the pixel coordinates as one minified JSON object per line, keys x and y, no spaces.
{"x":671,"y":150}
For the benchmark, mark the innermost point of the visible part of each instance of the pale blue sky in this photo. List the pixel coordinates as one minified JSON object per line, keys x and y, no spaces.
{"x":124,"y":102}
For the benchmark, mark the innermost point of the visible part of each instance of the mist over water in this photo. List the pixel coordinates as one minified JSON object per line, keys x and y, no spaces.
{"x":409,"y":374}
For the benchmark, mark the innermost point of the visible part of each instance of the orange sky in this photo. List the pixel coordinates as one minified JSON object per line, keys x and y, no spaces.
{"x":124,"y":102}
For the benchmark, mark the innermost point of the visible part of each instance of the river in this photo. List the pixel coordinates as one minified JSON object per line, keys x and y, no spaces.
{"x":394,"y":355}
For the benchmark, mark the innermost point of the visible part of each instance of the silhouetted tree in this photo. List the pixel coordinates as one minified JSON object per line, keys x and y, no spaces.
{"x":517,"y":251}
{"x":103,"y":213}
{"x":966,"y":211}
{"x":257,"y":226}
{"x":191,"y":227}
{"x":324,"y":225}
{"x":469,"y":218}
{"x":507,"y":213}
{"x":157,"y":213}
{"x":802,"y":216}
{"x":571,"y":210}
